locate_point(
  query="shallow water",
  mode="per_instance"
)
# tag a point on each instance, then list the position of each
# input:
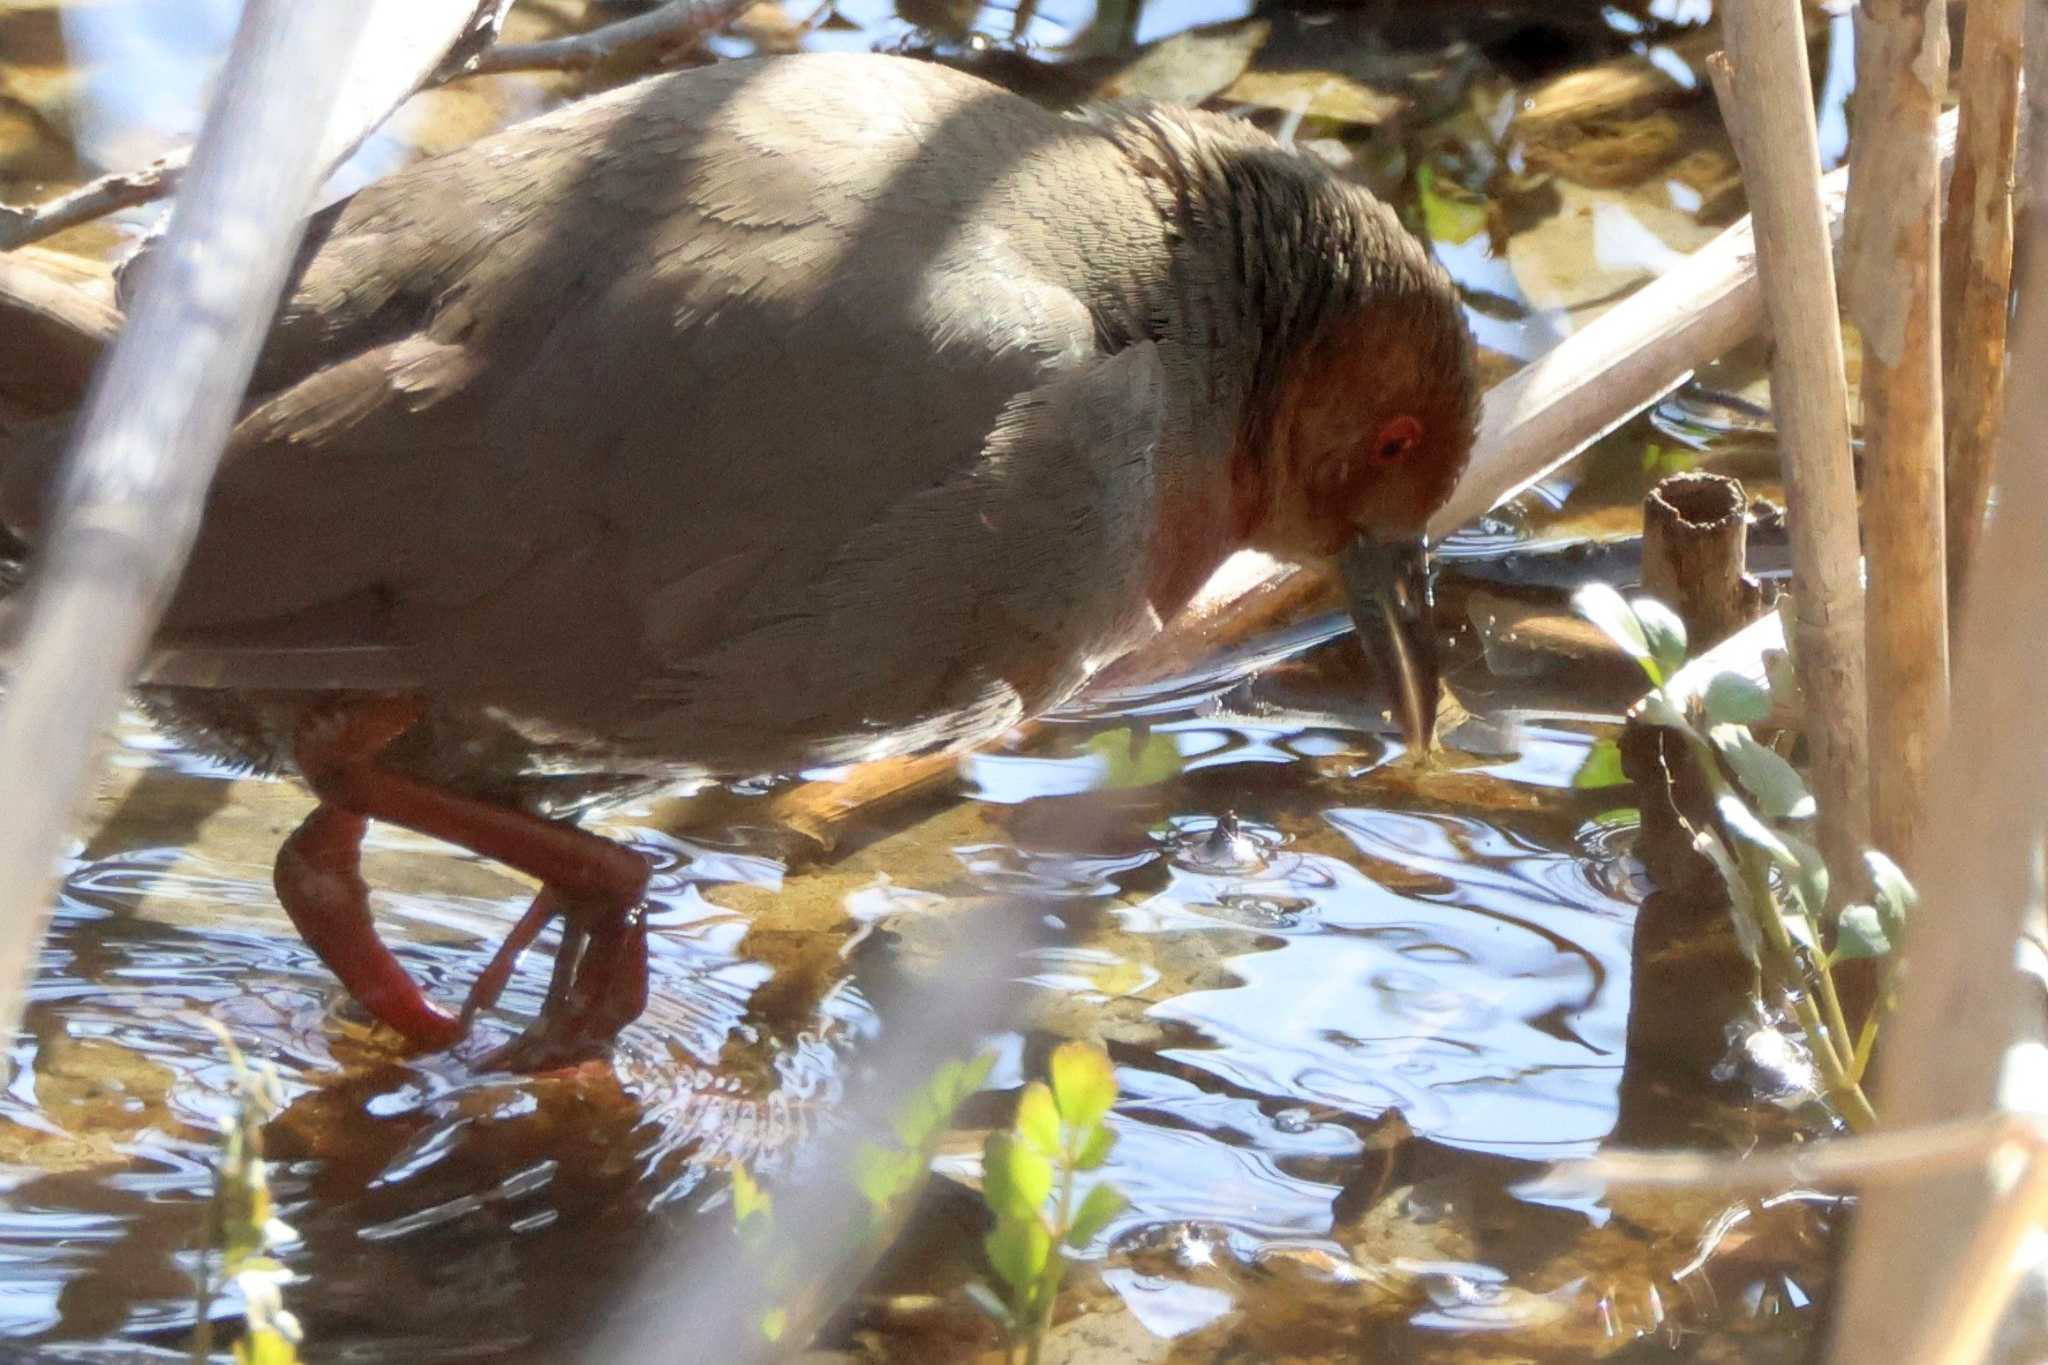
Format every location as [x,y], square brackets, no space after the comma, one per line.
[1348,1027]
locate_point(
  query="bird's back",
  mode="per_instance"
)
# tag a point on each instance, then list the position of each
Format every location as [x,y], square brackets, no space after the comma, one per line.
[634,422]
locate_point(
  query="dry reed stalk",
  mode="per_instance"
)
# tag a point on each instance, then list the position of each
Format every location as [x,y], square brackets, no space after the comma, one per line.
[1893,296]
[1696,555]
[1963,1003]
[1976,271]
[1770,119]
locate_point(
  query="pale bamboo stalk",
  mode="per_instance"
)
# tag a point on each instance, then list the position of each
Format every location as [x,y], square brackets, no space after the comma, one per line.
[1976,271]
[1963,1003]
[146,446]
[1893,295]
[1771,122]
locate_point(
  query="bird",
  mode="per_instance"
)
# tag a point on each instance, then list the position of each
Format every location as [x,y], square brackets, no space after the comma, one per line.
[779,413]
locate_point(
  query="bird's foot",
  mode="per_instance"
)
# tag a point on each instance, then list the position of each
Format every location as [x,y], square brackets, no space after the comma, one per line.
[600,979]
[598,987]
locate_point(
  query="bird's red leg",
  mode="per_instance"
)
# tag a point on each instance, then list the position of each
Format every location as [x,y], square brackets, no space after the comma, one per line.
[600,983]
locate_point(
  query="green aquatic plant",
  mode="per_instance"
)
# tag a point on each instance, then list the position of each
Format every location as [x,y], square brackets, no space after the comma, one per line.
[242,1228]
[1030,1182]
[1777,882]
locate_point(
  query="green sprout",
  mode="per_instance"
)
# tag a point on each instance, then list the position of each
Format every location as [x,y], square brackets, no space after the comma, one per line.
[1776,880]
[242,1229]
[1029,1182]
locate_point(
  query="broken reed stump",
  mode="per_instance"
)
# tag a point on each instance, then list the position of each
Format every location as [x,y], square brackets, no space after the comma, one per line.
[1976,273]
[1769,115]
[1695,549]
[1893,295]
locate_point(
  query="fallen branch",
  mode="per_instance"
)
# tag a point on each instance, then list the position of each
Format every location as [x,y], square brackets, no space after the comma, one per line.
[94,199]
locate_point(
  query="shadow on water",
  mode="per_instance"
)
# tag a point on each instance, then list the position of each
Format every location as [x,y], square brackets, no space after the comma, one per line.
[1354,1005]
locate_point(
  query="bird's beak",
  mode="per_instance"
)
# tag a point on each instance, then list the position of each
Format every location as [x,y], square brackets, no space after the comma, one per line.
[1387,587]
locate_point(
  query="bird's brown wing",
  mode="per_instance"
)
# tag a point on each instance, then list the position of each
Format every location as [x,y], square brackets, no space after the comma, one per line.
[714,339]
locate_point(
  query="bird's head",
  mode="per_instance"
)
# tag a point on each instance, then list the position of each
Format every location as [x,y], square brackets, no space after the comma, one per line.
[1362,429]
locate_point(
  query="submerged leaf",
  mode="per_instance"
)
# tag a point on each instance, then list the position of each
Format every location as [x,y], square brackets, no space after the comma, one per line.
[1451,214]
[1132,758]
[1602,767]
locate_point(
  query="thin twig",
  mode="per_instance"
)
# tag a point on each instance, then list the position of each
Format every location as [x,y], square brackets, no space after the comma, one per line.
[1976,271]
[416,46]
[1769,115]
[677,26]
[94,199]
[1893,293]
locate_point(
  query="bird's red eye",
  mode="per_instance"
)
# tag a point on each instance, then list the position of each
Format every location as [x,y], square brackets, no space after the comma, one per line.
[1396,439]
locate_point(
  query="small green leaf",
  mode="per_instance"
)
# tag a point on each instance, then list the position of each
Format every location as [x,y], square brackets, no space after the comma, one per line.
[1896,897]
[774,1323]
[1018,1249]
[1734,700]
[1665,634]
[1710,847]
[1096,1149]
[1860,933]
[1775,784]
[1014,1179]
[1602,767]
[1083,1083]
[1606,608]
[989,1302]
[1742,822]
[1811,881]
[1103,1203]
[1038,1120]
